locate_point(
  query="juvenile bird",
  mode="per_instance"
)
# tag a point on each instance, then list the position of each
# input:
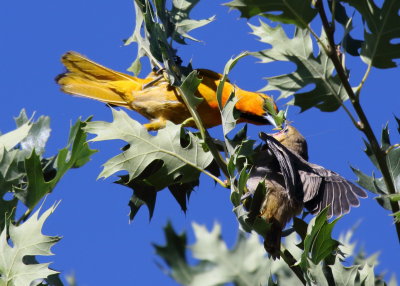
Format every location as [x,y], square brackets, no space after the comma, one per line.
[154,98]
[293,183]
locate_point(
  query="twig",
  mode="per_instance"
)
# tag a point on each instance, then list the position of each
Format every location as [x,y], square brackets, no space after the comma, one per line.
[291,262]
[363,124]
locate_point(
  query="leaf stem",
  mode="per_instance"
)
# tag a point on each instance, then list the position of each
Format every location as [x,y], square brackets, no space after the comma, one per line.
[24,216]
[291,262]
[206,137]
[359,87]
[363,125]
[391,148]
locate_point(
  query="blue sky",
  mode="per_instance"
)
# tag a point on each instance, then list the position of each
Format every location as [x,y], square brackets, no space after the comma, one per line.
[99,245]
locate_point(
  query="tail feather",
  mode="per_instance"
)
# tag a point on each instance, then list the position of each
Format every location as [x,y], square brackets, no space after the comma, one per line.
[91,80]
[80,86]
[78,64]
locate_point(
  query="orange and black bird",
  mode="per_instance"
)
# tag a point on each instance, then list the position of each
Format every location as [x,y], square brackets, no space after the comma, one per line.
[154,98]
[293,183]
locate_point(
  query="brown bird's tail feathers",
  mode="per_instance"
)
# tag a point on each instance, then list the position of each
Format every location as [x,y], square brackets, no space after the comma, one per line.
[272,241]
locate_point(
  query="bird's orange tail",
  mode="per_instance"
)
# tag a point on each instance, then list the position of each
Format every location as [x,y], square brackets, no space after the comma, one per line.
[88,79]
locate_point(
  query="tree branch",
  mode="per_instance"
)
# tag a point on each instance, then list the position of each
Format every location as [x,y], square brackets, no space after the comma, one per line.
[363,124]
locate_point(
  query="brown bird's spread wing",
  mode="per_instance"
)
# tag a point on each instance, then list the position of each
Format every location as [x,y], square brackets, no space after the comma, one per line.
[320,187]
[335,190]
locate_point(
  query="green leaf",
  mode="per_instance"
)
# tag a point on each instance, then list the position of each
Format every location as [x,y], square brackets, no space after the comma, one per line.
[156,27]
[393,159]
[318,243]
[24,174]
[16,264]
[377,185]
[12,138]
[315,274]
[174,254]
[295,12]
[371,183]
[394,197]
[229,114]
[189,88]
[39,181]
[143,194]
[11,175]
[229,266]
[215,264]
[38,134]
[382,28]
[385,140]
[180,163]
[348,43]
[172,158]
[367,275]
[327,93]
[183,24]
[344,276]
[398,124]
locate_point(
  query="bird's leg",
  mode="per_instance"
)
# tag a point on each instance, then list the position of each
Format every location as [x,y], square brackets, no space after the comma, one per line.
[153,81]
[157,71]
[155,124]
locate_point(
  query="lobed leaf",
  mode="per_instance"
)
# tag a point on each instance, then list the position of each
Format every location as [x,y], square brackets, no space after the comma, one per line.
[327,93]
[377,185]
[216,264]
[382,28]
[18,265]
[27,176]
[300,13]
[155,26]
[41,180]
[38,134]
[318,243]
[348,43]
[172,158]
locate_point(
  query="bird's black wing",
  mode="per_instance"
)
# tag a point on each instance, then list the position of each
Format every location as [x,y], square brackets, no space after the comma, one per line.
[283,156]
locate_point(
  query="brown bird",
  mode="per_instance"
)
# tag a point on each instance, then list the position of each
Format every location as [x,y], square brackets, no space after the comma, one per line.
[153,96]
[293,183]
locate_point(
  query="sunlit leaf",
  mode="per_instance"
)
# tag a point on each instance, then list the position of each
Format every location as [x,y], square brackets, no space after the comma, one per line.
[216,264]
[38,134]
[172,157]
[12,138]
[342,275]
[182,23]
[180,163]
[156,25]
[16,264]
[41,180]
[327,92]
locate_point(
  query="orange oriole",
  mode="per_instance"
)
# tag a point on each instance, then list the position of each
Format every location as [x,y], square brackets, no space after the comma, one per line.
[154,98]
